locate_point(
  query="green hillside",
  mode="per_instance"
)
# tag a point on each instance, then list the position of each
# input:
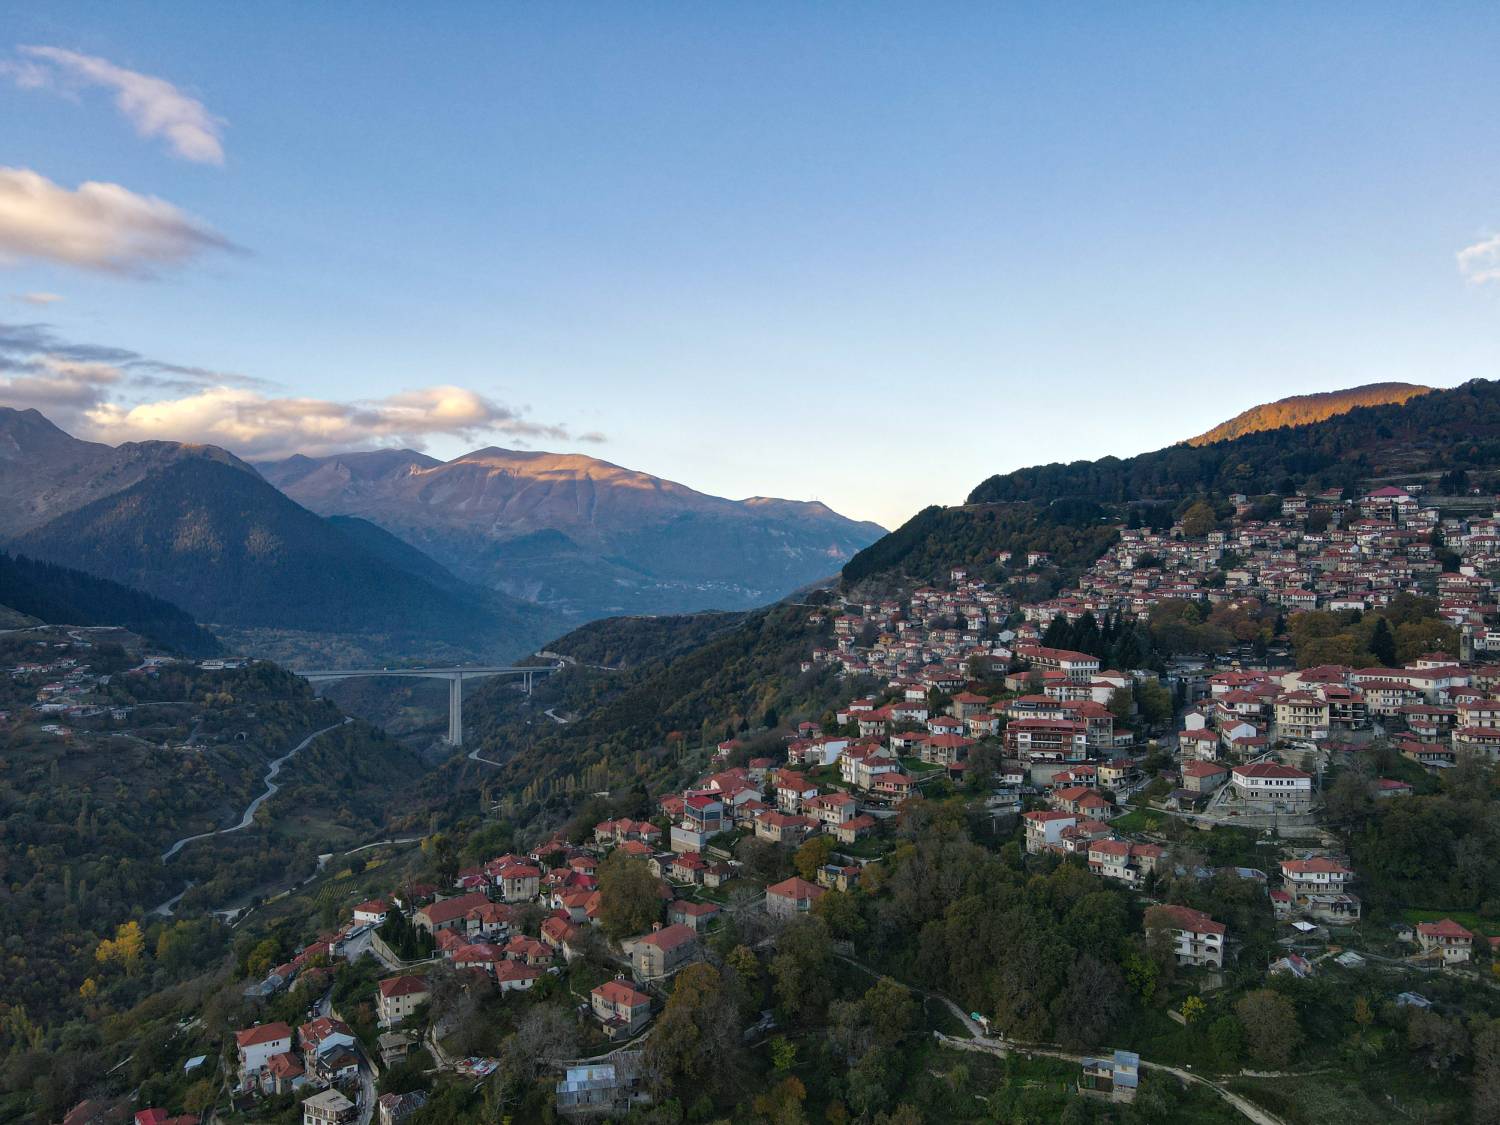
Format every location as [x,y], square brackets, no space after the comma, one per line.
[62,596]
[1432,434]
[651,720]
[937,539]
[229,548]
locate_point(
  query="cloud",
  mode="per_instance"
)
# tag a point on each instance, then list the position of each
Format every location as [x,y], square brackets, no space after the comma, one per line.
[1480,263]
[67,380]
[102,227]
[153,105]
[36,298]
[57,387]
[260,426]
[116,394]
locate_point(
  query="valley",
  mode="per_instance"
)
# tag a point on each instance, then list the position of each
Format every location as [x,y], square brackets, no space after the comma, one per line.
[749,564]
[1154,789]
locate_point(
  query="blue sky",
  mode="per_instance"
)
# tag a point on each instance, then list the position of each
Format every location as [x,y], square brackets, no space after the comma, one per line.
[868,254]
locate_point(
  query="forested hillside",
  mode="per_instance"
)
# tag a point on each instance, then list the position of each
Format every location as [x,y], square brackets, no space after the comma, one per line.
[648,720]
[937,539]
[176,750]
[1445,431]
[61,596]
[229,548]
[1300,410]
[623,642]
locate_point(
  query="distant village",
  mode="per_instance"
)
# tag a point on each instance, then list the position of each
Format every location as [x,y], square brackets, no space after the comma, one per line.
[71,698]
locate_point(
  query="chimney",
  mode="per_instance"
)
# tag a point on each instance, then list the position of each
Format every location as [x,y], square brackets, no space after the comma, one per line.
[655,926]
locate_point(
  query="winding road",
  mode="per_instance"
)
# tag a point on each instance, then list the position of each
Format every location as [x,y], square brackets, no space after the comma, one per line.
[253,806]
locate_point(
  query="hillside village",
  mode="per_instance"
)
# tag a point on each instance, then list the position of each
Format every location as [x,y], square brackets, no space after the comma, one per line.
[60,693]
[959,691]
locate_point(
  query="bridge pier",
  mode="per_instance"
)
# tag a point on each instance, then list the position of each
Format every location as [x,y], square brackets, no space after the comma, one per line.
[456,710]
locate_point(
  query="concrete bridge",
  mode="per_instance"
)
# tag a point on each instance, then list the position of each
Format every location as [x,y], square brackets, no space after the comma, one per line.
[454,676]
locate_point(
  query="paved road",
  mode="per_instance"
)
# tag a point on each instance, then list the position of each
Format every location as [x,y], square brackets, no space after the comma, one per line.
[474,757]
[382,843]
[250,809]
[166,908]
[366,1091]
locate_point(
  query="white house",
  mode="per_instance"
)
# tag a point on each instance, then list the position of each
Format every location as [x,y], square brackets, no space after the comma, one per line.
[257,1044]
[1272,783]
[1197,938]
[370,913]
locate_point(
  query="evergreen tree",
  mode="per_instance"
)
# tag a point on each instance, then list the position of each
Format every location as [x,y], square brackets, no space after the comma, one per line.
[1383,643]
[1059,633]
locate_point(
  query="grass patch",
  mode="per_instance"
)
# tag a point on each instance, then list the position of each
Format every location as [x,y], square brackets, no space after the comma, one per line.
[871,847]
[1137,820]
[1316,1099]
[722,894]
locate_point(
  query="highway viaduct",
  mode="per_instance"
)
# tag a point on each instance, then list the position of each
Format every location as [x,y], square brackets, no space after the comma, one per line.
[454,676]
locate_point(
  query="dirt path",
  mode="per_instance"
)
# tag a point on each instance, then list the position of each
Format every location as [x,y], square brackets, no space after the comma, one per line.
[979,1041]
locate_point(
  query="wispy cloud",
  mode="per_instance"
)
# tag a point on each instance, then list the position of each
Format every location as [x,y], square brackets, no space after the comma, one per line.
[98,226]
[1480,263]
[36,298]
[68,380]
[257,425]
[115,394]
[154,106]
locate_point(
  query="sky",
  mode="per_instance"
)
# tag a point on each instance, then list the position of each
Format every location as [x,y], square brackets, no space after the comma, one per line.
[863,253]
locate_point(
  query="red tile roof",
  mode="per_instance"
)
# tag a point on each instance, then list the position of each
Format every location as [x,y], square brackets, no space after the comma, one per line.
[618,993]
[1185,918]
[402,986]
[1447,928]
[797,889]
[264,1033]
[668,938]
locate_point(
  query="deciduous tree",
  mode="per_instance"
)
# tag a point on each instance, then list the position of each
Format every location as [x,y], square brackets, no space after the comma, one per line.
[1272,1032]
[801,968]
[629,895]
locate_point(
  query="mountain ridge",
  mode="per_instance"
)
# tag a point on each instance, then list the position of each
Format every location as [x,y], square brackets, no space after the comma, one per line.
[1446,429]
[580,534]
[60,595]
[49,471]
[1301,410]
[198,527]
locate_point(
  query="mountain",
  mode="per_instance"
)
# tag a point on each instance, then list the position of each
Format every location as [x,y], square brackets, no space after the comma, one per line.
[1441,432]
[62,596]
[202,529]
[577,533]
[1299,410]
[48,471]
